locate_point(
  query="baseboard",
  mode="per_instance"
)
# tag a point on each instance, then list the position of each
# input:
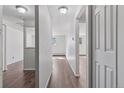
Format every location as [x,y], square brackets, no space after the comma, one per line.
[5,69]
[82,55]
[75,74]
[48,81]
[29,69]
[14,62]
[58,54]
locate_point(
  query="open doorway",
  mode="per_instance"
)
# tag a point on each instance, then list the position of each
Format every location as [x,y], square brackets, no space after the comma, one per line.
[19,46]
[70,48]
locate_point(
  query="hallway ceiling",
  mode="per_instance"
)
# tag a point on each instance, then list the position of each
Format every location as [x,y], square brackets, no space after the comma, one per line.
[11,11]
[60,22]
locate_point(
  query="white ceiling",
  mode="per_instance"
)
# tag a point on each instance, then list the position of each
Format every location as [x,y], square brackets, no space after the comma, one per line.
[61,23]
[11,12]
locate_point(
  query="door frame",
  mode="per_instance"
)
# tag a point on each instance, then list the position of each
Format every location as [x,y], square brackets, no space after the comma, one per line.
[37,46]
[93,49]
[4,47]
[89,40]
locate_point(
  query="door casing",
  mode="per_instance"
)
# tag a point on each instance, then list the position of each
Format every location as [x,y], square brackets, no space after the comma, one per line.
[4,47]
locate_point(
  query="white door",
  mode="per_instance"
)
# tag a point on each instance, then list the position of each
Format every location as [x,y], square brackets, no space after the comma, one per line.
[1,56]
[104,35]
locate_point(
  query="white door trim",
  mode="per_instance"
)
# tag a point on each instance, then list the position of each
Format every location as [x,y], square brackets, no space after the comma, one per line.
[4,47]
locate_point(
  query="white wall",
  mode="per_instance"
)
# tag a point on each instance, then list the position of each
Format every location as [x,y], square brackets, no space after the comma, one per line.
[1,61]
[72,39]
[45,47]
[71,46]
[14,45]
[14,41]
[58,47]
[29,23]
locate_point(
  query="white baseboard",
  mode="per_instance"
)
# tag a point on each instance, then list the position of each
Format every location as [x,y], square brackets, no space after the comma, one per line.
[29,69]
[57,54]
[5,69]
[48,80]
[14,62]
[75,74]
[82,55]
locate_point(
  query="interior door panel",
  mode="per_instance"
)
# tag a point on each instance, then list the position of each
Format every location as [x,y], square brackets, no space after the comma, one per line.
[105,46]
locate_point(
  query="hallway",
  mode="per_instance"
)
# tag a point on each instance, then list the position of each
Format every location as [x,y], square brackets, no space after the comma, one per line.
[62,75]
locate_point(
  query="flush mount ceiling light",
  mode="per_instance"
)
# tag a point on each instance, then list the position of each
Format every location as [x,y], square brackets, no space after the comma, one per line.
[21,9]
[63,9]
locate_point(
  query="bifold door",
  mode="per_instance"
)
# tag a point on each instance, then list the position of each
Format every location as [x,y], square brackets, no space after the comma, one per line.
[104,36]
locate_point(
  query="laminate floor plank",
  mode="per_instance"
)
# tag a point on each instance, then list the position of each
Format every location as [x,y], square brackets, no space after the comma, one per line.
[63,76]
[15,77]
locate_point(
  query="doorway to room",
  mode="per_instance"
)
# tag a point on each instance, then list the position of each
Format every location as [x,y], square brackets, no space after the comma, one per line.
[18,46]
[70,47]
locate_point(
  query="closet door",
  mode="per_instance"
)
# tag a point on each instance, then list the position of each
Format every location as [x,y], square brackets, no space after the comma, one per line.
[104,35]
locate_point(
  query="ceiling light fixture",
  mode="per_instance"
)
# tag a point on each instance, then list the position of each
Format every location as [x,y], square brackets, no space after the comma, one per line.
[21,9]
[63,9]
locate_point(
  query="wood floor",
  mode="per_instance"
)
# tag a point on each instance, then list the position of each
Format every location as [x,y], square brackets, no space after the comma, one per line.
[15,77]
[62,75]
